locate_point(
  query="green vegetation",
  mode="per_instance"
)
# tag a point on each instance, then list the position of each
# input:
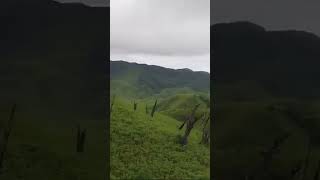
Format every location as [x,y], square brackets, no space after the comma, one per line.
[148,148]
[180,105]
[145,138]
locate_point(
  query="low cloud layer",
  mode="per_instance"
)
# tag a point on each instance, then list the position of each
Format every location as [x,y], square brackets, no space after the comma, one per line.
[163,27]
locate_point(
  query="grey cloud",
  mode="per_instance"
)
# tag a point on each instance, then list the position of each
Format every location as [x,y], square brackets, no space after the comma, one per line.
[161,27]
[169,33]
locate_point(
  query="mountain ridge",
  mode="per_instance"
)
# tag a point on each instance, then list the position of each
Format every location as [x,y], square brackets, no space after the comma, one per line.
[158,66]
[150,79]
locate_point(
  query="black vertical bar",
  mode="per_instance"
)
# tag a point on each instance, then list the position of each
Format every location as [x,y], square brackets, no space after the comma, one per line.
[108,100]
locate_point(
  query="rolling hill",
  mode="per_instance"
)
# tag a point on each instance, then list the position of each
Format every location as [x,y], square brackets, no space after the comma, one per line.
[145,147]
[179,105]
[145,80]
[177,90]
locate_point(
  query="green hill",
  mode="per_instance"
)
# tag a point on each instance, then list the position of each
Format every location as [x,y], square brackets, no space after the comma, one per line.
[147,148]
[179,105]
[143,147]
[177,91]
[140,80]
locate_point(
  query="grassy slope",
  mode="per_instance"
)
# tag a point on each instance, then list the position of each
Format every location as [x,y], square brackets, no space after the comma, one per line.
[144,148]
[174,102]
[180,105]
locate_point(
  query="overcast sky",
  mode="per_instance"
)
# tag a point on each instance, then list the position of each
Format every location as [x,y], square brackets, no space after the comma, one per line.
[272,14]
[169,33]
[154,31]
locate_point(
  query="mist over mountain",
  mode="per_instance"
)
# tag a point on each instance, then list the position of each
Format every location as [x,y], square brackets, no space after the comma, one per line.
[282,63]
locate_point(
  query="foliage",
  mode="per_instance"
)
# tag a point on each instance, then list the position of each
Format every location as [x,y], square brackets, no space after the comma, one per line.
[145,149]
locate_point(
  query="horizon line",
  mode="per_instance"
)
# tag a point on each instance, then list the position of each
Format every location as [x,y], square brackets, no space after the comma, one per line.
[161,66]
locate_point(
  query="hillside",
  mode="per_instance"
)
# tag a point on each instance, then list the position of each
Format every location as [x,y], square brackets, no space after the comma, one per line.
[147,148]
[179,105]
[177,91]
[140,80]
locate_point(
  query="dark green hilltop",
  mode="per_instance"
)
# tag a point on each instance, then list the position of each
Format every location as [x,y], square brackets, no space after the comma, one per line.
[177,90]
[146,80]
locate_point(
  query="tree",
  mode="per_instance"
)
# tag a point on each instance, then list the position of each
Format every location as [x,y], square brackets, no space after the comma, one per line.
[190,121]
[154,108]
[205,130]
[135,105]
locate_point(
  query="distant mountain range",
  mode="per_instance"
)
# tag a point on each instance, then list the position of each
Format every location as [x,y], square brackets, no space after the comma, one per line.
[280,63]
[141,80]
